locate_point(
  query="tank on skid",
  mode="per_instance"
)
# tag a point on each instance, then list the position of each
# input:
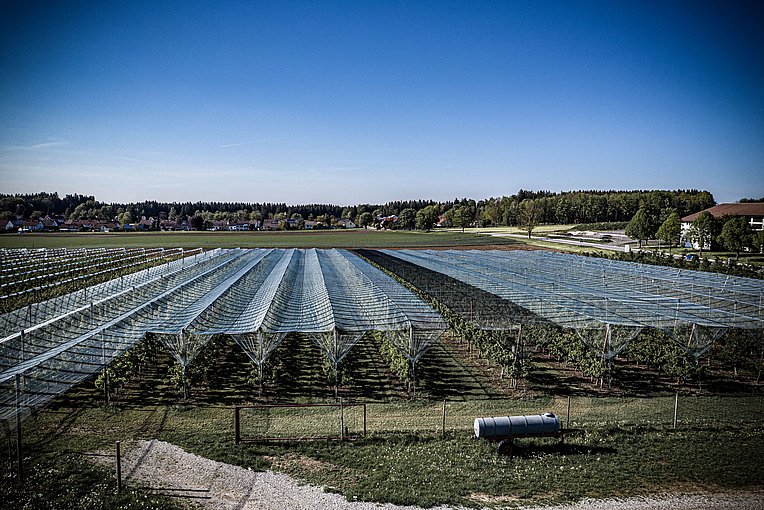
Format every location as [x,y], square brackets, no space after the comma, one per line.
[510,427]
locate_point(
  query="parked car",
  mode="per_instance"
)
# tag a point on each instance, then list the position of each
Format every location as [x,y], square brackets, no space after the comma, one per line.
[691,257]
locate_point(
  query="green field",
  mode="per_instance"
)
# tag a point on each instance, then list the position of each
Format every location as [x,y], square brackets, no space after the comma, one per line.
[300,239]
[624,446]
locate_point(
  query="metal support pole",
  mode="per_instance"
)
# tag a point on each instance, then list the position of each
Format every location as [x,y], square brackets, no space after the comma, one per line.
[364,419]
[676,408]
[19,455]
[567,416]
[10,452]
[119,468]
[106,385]
[237,424]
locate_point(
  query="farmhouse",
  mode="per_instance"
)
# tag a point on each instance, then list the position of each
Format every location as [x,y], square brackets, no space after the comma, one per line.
[753,212]
[345,223]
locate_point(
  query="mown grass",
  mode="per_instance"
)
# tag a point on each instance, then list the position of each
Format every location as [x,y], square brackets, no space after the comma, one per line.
[354,238]
[625,447]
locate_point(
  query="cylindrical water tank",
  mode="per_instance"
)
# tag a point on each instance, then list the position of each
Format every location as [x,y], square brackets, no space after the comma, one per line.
[503,427]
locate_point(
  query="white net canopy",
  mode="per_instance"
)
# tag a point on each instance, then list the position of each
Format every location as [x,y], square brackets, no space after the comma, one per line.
[607,301]
[256,296]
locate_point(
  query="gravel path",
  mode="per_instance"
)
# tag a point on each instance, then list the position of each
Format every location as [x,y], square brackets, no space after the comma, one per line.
[218,486]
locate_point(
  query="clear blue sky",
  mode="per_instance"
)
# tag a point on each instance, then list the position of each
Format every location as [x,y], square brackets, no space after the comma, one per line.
[349,102]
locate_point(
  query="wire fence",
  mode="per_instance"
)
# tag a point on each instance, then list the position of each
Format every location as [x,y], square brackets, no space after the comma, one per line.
[457,417]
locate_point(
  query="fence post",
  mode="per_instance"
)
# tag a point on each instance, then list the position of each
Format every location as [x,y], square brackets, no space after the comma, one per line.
[236,424]
[342,421]
[19,455]
[443,425]
[119,468]
[364,419]
[676,408]
[567,416]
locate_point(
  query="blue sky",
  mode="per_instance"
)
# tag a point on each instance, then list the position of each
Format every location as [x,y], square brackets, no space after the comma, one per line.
[350,102]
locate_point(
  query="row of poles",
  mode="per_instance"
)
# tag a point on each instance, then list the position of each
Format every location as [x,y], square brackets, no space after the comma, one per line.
[343,430]
[237,432]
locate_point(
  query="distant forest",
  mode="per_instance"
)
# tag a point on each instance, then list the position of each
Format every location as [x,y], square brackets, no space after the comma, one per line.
[573,207]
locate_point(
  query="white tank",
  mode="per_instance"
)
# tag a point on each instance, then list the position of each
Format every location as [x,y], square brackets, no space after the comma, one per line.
[504,427]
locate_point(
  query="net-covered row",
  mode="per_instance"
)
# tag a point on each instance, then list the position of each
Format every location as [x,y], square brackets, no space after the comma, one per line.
[38,313]
[257,296]
[49,358]
[42,273]
[608,302]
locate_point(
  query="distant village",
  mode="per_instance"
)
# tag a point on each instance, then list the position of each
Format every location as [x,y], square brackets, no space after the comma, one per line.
[52,223]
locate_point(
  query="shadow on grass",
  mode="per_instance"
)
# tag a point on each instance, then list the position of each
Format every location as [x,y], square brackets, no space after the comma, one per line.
[530,450]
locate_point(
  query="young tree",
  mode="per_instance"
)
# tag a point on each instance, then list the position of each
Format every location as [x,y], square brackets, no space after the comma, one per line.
[670,230]
[702,230]
[736,235]
[530,215]
[642,226]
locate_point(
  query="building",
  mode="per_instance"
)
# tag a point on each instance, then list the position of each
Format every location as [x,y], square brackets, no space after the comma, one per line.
[345,223]
[753,212]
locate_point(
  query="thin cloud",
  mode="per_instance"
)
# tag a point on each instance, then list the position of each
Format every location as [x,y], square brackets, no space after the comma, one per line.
[43,145]
[46,144]
[266,140]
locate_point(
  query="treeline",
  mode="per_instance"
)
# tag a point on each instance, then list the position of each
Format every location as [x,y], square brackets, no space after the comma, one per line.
[573,207]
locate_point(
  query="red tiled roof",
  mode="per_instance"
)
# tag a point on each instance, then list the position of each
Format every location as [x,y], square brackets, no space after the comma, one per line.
[746,209]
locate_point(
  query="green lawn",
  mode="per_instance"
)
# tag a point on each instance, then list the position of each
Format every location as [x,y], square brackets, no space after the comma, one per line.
[302,239]
[626,447]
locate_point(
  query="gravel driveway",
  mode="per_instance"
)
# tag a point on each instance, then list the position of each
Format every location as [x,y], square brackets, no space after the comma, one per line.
[215,485]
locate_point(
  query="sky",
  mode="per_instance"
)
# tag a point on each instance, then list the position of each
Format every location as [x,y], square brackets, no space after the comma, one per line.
[373,101]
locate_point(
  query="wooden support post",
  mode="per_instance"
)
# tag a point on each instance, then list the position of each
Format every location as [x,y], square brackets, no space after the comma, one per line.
[567,416]
[676,408]
[443,423]
[342,421]
[119,468]
[237,424]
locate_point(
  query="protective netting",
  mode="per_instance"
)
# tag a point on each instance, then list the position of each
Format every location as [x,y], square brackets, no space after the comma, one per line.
[607,301]
[608,339]
[257,296]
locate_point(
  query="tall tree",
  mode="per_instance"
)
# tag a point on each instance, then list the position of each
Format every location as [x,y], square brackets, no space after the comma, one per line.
[426,218]
[642,226]
[670,230]
[736,235]
[702,231]
[530,215]
[365,219]
[757,241]
[407,219]
[462,216]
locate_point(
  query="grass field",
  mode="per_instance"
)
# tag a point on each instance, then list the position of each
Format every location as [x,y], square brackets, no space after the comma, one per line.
[625,445]
[356,238]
